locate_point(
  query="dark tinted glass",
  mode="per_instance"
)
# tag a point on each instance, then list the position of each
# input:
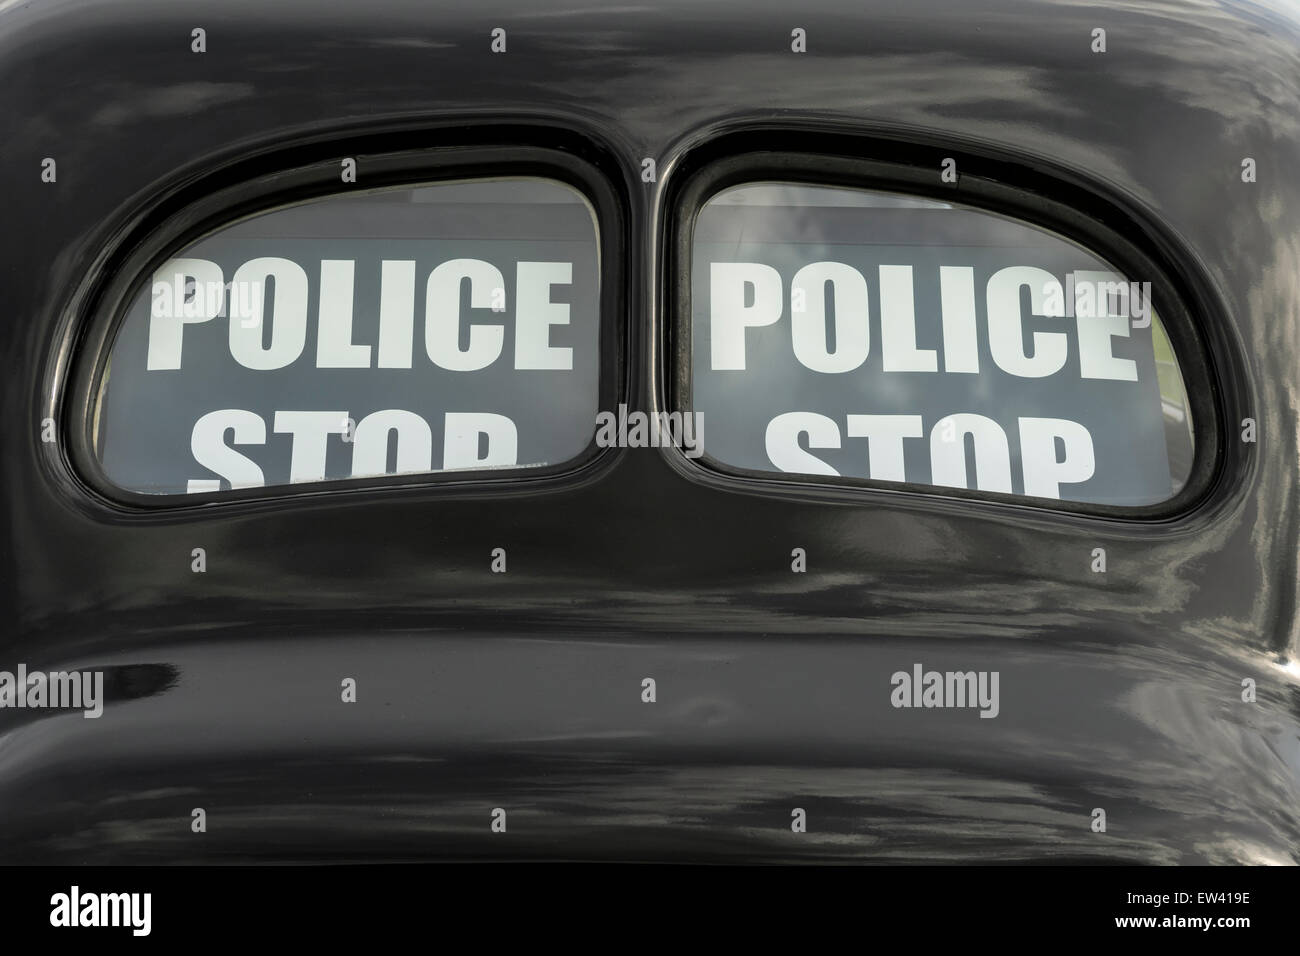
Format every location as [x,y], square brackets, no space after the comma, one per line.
[844,332]
[449,327]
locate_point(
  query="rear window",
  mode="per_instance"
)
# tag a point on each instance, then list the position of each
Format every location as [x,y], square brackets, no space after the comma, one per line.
[857,334]
[443,328]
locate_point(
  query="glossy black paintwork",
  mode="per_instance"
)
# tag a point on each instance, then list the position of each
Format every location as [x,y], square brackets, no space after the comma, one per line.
[522,690]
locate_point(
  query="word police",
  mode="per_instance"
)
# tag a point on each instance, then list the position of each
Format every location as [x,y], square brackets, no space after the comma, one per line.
[191,291]
[748,295]
[829,328]
[175,305]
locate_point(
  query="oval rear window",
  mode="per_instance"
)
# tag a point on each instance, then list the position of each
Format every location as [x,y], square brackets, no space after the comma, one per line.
[849,333]
[443,328]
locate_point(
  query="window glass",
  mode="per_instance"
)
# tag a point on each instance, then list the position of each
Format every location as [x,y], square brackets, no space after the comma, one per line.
[860,334]
[450,327]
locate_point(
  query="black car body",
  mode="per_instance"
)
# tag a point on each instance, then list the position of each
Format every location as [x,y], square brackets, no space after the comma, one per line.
[523,692]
